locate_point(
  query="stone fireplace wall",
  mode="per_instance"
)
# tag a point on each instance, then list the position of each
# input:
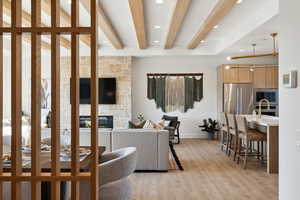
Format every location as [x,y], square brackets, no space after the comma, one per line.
[117,67]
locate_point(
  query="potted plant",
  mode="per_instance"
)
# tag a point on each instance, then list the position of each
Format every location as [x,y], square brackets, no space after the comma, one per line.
[210,126]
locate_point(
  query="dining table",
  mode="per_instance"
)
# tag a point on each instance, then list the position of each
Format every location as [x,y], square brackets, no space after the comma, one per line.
[268,125]
[65,165]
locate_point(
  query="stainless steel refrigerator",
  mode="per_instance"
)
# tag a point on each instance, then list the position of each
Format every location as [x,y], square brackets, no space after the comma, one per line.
[238,98]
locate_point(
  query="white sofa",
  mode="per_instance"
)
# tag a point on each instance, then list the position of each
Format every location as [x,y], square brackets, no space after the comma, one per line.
[152,147]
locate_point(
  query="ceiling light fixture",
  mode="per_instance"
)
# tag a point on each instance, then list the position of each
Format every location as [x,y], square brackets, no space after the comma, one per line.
[274,53]
[216,26]
[157,27]
[202,41]
[156,41]
[239,1]
[159,1]
[228,58]
[242,50]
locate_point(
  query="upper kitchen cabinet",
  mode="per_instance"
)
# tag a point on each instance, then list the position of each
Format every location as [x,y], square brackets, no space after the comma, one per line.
[259,77]
[272,77]
[230,75]
[245,75]
[265,77]
[262,76]
[236,74]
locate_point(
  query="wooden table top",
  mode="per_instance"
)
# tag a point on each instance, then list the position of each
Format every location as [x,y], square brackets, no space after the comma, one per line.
[65,160]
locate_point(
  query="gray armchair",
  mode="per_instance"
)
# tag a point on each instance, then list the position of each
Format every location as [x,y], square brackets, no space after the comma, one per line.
[114,170]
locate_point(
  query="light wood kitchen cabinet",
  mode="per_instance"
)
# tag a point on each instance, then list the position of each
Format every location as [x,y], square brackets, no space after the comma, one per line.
[245,75]
[272,77]
[259,77]
[230,75]
[265,77]
[237,75]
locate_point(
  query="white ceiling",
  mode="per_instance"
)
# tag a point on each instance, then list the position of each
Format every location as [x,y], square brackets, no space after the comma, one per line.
[248,22]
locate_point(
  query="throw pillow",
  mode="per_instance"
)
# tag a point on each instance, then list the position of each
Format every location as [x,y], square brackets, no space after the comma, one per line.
[148,125]
[133,125]
[160,124]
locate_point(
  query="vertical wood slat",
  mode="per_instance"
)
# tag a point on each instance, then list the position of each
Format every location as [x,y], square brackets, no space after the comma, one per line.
[1,98]
[55,100]
[94,101]
[35,99]
[16,97]
[75,99]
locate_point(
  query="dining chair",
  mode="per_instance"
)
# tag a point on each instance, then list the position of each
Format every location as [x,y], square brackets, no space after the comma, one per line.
[114,169]
[172,127]
[249,136]
[224,131]
[232,136]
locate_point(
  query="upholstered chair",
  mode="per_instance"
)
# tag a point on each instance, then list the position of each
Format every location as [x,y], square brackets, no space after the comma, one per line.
[114,170]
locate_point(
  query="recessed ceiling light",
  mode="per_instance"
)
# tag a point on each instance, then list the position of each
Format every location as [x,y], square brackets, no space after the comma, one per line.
[202,41]
[216,26]
[242,50]
[228,58]
[157,27]
[159,1]
[156,41]
[239,1]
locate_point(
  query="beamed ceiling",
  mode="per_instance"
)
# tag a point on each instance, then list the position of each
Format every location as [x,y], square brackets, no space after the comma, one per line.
[166,27]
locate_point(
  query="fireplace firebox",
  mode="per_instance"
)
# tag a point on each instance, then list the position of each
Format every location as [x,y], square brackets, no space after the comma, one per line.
[104,121]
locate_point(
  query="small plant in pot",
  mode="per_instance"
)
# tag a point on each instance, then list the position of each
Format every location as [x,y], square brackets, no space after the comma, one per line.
[210,126]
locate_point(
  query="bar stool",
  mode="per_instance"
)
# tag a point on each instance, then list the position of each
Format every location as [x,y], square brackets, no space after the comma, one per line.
[232,136]
[248,136]
[224,131]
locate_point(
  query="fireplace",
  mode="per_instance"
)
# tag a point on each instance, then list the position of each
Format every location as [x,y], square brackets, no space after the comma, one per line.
[104,121]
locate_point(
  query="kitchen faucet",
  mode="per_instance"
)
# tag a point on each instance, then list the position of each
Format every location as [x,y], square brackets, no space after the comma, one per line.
[260,103]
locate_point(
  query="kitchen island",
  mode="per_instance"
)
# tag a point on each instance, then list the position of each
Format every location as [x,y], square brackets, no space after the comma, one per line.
[270,126]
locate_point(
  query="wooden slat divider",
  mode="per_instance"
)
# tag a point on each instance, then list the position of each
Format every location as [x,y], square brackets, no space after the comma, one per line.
[94,101]
[55,101]
[75,99]
[35,177]
[1,98]
[16,98]
[35,99]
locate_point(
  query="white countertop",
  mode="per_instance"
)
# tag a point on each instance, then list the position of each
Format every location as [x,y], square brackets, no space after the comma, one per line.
[265,120]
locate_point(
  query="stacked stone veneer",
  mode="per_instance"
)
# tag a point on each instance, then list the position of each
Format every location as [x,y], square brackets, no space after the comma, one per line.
[117,67]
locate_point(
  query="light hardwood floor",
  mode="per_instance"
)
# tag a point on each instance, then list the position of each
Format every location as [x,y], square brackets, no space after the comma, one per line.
[208,175]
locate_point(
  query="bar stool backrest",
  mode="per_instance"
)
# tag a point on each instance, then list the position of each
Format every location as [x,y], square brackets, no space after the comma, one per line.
[224,122]
[232,123]
[242,124]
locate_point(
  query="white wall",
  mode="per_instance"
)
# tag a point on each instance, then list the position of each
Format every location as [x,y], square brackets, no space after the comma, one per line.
[289,157]
[185,64]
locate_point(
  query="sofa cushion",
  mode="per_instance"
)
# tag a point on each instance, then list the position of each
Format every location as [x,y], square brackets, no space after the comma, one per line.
[134,125]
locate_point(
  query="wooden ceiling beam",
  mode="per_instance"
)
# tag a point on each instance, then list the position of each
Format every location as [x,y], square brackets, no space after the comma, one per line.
[105,25]
[178,16]
[26,20]
[221,9]
[137,12]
